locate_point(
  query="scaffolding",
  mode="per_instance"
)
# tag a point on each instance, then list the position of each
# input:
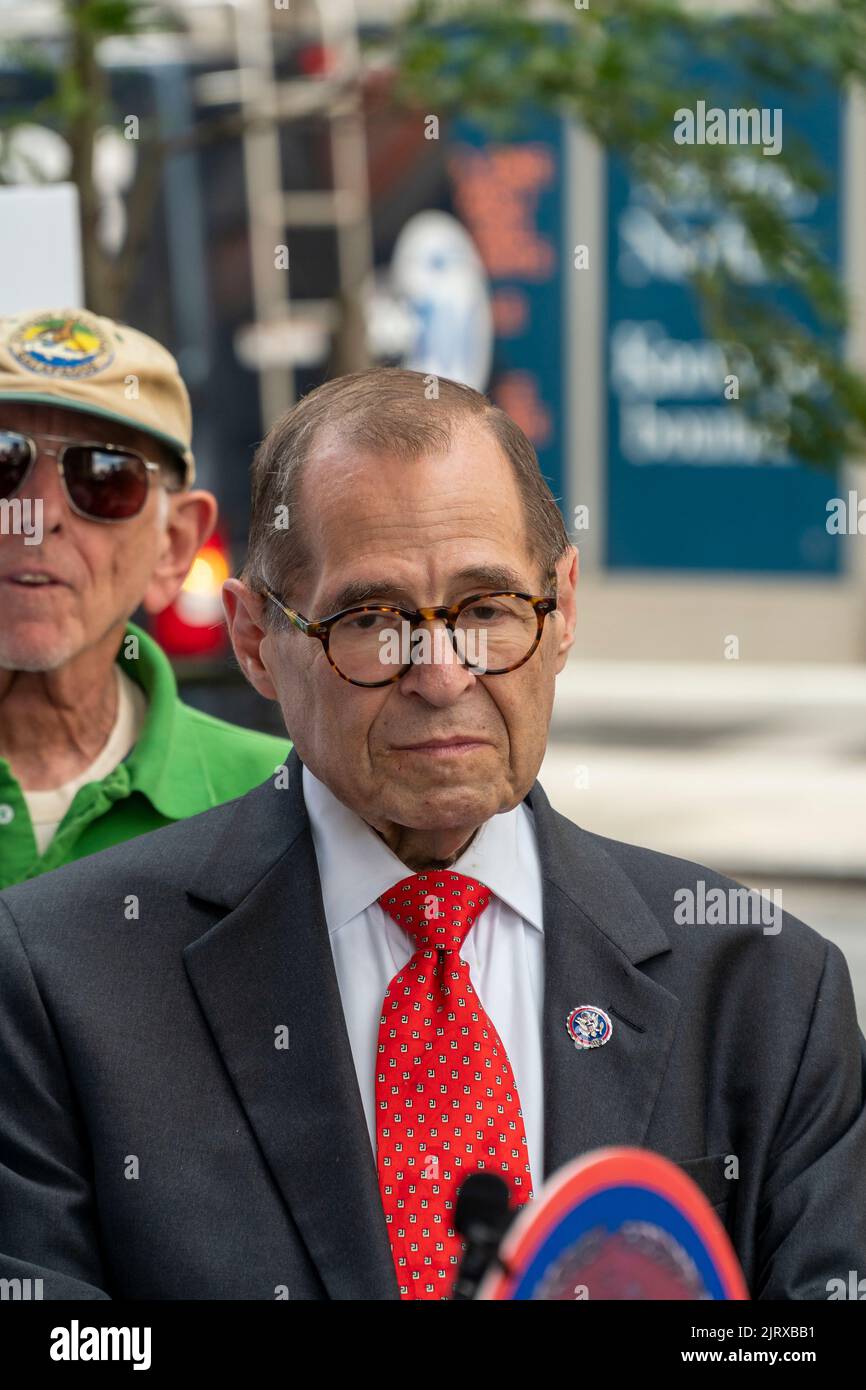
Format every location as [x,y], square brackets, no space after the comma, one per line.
[241,41]
[275,340]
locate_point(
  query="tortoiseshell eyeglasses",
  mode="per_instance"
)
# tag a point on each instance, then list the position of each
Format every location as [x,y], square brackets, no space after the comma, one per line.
[490,633]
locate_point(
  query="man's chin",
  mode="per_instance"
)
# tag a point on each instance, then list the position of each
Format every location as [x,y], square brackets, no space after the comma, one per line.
[443,808]
[35,649]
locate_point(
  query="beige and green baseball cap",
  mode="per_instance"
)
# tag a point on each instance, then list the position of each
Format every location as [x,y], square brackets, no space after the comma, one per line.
[80,360]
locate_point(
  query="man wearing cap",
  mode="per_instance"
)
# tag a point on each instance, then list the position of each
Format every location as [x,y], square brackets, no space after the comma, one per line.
[98,517]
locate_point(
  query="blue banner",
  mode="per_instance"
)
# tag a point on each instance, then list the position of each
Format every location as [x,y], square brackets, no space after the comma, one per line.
[691,482]
[508,192]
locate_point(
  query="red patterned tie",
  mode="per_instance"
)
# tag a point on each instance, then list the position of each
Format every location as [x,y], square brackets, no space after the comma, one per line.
[446,1100]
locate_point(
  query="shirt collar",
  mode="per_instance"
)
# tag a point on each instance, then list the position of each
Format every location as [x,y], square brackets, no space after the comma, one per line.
[166,764]
[356,866]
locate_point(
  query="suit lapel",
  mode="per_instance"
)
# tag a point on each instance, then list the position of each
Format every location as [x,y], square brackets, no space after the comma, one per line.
[267,966]
[597,929]
[265,974]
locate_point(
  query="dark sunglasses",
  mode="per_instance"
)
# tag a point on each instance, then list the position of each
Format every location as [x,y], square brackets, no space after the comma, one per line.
[102,482]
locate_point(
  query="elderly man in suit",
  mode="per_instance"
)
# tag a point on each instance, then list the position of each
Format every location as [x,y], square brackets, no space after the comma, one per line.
[255,1054]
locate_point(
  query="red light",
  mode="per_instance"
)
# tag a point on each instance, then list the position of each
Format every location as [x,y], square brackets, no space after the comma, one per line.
[193,624]
[315,60]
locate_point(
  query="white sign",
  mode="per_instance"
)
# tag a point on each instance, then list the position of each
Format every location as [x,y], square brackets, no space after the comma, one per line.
[40,247]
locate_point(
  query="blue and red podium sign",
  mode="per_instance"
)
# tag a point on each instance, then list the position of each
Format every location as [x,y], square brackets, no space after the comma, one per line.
[621,1224]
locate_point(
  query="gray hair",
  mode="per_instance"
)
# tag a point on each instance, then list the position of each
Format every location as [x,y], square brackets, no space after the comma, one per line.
[382,410]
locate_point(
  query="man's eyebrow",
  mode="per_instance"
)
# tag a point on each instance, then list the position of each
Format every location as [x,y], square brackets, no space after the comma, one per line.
[490,577]
[359,591]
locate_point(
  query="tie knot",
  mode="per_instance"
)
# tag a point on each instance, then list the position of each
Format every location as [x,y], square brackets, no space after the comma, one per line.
[436,908]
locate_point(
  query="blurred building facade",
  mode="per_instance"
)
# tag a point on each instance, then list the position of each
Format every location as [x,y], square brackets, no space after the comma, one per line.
[694,544]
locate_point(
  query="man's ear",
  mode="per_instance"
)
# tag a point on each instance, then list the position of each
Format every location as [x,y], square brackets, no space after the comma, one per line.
[244,610]
[191,519]
[567,571]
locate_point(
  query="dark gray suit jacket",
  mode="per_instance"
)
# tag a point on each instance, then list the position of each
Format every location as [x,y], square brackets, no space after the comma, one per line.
[156,1143]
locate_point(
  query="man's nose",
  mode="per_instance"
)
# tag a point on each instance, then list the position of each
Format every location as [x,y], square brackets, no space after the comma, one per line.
[45,483]
[439,681]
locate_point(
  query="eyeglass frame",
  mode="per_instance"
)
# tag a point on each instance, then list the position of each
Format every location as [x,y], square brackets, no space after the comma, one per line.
[542,603]
[67,442]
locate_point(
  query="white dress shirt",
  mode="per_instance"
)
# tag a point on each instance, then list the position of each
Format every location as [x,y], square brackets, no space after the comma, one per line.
[504,949]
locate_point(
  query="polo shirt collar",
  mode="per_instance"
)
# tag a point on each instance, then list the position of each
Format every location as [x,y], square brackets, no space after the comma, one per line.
[166,764]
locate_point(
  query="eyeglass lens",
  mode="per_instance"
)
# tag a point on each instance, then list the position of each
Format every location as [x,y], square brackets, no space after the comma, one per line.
[492,634]
[107,484]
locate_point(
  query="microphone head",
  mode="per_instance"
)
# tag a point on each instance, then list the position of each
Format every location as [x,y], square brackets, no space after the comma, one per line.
[482,1206]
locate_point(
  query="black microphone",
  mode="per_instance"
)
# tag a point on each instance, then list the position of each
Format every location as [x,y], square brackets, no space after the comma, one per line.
[481,1216]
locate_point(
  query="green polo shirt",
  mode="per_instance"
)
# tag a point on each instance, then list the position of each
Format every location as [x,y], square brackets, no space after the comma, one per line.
[184,762]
